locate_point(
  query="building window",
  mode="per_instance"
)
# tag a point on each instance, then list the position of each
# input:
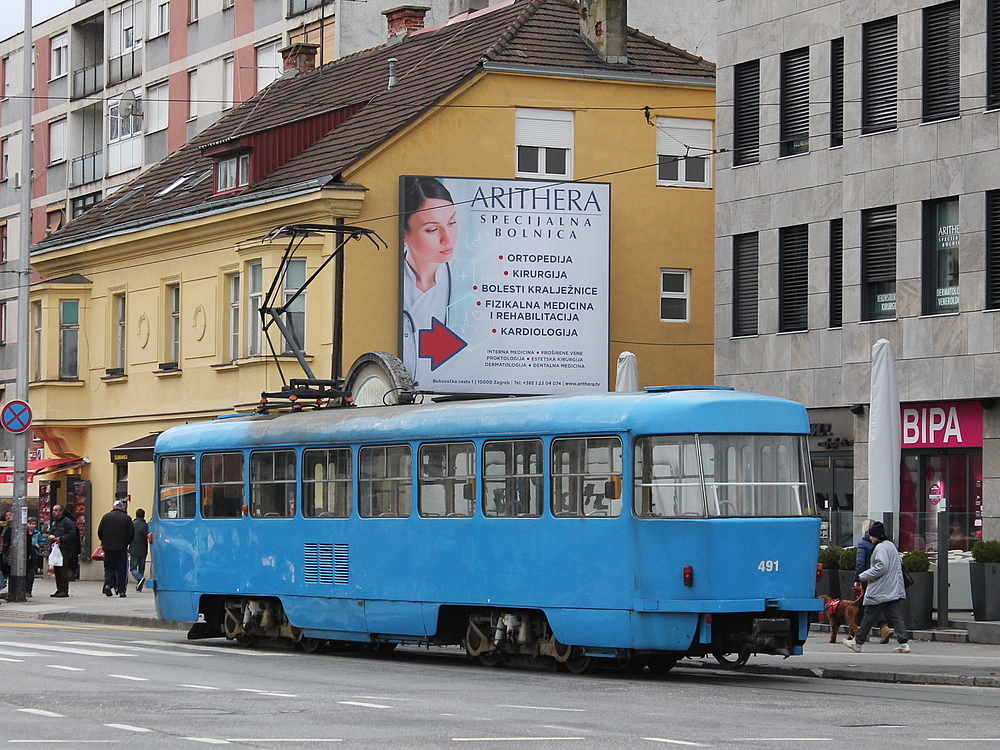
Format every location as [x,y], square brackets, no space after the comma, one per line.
[836,93]
[836,273]
[193,11]
[232,172]
[544,143]
[268,63]
[36,341]
[793,278]
[159,17]
[745,254]
[675,295]
[878,75]
[992,54]
[878,263]
[124,40]
[794,108]
[57,141]
[124,135]
[59,55]
[5,77]
[4,157]
[683,152]
[157,109]
[172,330]
[941,61]
[192,80]
[447,480]
[255,300]
[301,6]
[746,113]
[512,478]
[3,243]
[233,283]
[385,481]
[3,323]
[79,205]
[119,331]
[228,81]
[941,251]
[69,339]
[295,315]
[993,250]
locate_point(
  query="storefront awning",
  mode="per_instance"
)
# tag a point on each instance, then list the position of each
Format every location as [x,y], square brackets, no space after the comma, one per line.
[136,450]
[42,466]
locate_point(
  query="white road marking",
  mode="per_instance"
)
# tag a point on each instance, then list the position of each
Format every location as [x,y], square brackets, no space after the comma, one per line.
[282,739]
[41,712]
[63,667]
[208,740]
[60,649]
[513,739]
[266,692]
[129,677]
[13,660]
[963,739]
[220,649]
[539,708]
[20,652]
[63,742]
[675,742]
[782,739]
[145,650]
[128,727]
[363,705]
[198,687]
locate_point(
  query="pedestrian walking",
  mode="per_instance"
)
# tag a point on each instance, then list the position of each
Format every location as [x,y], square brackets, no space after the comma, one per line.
[5,547]
[65,537]
[116,532]
[863,561]
[885,592]
[35,542]
[139,548]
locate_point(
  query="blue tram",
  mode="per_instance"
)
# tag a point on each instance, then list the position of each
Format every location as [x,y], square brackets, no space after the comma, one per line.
[641,527]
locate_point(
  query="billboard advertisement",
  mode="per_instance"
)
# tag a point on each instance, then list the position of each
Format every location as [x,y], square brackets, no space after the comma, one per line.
[505,285]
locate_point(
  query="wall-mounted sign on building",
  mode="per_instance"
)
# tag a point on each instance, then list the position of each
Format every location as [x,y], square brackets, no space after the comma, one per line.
[942,424]
[505,285]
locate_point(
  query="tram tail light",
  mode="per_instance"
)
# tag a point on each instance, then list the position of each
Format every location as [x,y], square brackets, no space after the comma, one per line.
[688,575]
[819,572]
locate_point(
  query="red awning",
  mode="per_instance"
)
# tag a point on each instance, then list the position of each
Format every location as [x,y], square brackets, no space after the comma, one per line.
[41,466]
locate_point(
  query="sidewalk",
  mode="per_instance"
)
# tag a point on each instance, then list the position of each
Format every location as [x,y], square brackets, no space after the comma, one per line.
[940,657]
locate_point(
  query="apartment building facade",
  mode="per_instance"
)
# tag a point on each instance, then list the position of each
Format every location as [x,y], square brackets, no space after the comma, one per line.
[858,199]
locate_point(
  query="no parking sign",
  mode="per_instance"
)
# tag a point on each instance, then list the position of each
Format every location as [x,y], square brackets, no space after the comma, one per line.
[16,416]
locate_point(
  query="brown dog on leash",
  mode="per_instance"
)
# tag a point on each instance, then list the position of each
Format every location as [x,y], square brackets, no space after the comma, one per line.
[843,613]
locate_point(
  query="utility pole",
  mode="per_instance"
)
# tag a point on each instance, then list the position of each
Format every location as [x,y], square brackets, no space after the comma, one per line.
[16,590]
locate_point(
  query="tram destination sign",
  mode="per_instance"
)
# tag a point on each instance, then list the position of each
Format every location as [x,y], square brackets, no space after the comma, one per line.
[505,285]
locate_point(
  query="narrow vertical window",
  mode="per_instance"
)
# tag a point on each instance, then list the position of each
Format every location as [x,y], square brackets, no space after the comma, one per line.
[878,75]
[295,315]
[118,308]
[794,107]
[745,284]
[746,113]
[36,340]
[992,54]
[878,263]
[234,316]
[228,81]
[255,298]
[993,250]
[793,278]
[173,328]
[941,62]
[941,251]
[4,249]
[69,339]
[836,93]
[836,273]
[192,94]
[3,323]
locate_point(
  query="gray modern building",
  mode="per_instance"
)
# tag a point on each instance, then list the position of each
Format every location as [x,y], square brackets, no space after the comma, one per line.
[858,196]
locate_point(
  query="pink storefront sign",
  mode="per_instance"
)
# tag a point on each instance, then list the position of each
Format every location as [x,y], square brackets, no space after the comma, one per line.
[942,424]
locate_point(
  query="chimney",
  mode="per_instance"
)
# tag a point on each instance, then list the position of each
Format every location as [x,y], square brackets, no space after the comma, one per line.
[403,19]
[604,24]
[298,58]
[458,7]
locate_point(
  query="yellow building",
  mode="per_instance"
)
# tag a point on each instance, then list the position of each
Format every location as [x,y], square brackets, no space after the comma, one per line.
[146,317]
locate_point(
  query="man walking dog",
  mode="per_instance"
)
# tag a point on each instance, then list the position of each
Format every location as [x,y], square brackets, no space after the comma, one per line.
[885,592]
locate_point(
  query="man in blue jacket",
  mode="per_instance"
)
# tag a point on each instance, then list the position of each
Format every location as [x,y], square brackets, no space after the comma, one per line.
[885,592]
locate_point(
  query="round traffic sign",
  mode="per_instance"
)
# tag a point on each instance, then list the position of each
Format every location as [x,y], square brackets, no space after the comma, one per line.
[16,416]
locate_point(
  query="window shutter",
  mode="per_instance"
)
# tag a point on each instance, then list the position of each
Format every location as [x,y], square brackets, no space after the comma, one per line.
[746,118]
[745,285]
[878,76]
[836,273]
[795,102]
[941,61]
[993,54]
[793,278]
[675,139]
[544,128]
[837,92]
[993,250]
[878,257]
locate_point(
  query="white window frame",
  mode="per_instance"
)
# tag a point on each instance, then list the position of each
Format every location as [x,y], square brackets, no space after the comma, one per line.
[255,300]
[228,81]
[159,18]
[545,130]
[125,29]
[291,283]
[124,138]
[683,139]
[233,282]
[57,140]
[172,330]
[119,308]
[59,55]
[36,340]
[232,172]
[685,295]
[192,87]
[156,113]
[268,63]
[3,323]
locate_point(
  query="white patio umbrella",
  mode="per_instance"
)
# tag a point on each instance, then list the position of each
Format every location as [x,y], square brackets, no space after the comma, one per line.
[883,434]
[627,378]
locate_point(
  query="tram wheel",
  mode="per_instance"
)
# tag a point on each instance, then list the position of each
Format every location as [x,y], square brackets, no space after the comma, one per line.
[311,645]
[661,663]
[246,641]
[731,660]
[580,664]
[490,658]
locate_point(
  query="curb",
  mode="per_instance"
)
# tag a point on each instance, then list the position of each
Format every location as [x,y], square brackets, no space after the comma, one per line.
[114,620]
[864,675]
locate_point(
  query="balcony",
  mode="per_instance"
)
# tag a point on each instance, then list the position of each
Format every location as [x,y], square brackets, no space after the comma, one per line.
[88,80]
[124,67]
[86,168]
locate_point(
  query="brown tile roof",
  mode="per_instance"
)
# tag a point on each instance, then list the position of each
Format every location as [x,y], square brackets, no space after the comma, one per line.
[430,64]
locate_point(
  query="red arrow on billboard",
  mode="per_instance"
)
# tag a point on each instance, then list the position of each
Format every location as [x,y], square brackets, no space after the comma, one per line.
[439,343]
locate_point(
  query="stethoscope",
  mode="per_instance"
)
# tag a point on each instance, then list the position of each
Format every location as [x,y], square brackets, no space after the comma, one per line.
[411,326]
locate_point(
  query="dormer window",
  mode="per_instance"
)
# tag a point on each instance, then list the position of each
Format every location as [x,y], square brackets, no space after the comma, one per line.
[232,172]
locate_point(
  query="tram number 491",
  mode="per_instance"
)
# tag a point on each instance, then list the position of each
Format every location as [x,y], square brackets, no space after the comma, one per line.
[768,566]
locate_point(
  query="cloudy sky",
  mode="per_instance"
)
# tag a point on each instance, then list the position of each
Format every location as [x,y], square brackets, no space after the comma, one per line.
[12,14]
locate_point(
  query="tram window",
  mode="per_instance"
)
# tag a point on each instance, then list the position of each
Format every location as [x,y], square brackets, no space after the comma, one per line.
[447,483]
[668,480]
[756,475]
[587,477]
[272,484]
[385,481]
[177,487]
[326,483]
[222,492]
[512,471]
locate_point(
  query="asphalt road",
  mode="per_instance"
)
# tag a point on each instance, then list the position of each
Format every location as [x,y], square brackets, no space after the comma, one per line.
[81,686]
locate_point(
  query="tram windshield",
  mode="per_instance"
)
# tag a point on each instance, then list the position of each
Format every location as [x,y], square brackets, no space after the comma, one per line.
[695,476]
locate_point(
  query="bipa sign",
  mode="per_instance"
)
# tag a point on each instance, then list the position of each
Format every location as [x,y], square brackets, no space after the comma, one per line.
[946,424]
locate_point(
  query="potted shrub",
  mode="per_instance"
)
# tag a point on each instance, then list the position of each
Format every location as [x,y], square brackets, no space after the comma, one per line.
[918,607]
[829,582]
[984,576]
[848,559]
